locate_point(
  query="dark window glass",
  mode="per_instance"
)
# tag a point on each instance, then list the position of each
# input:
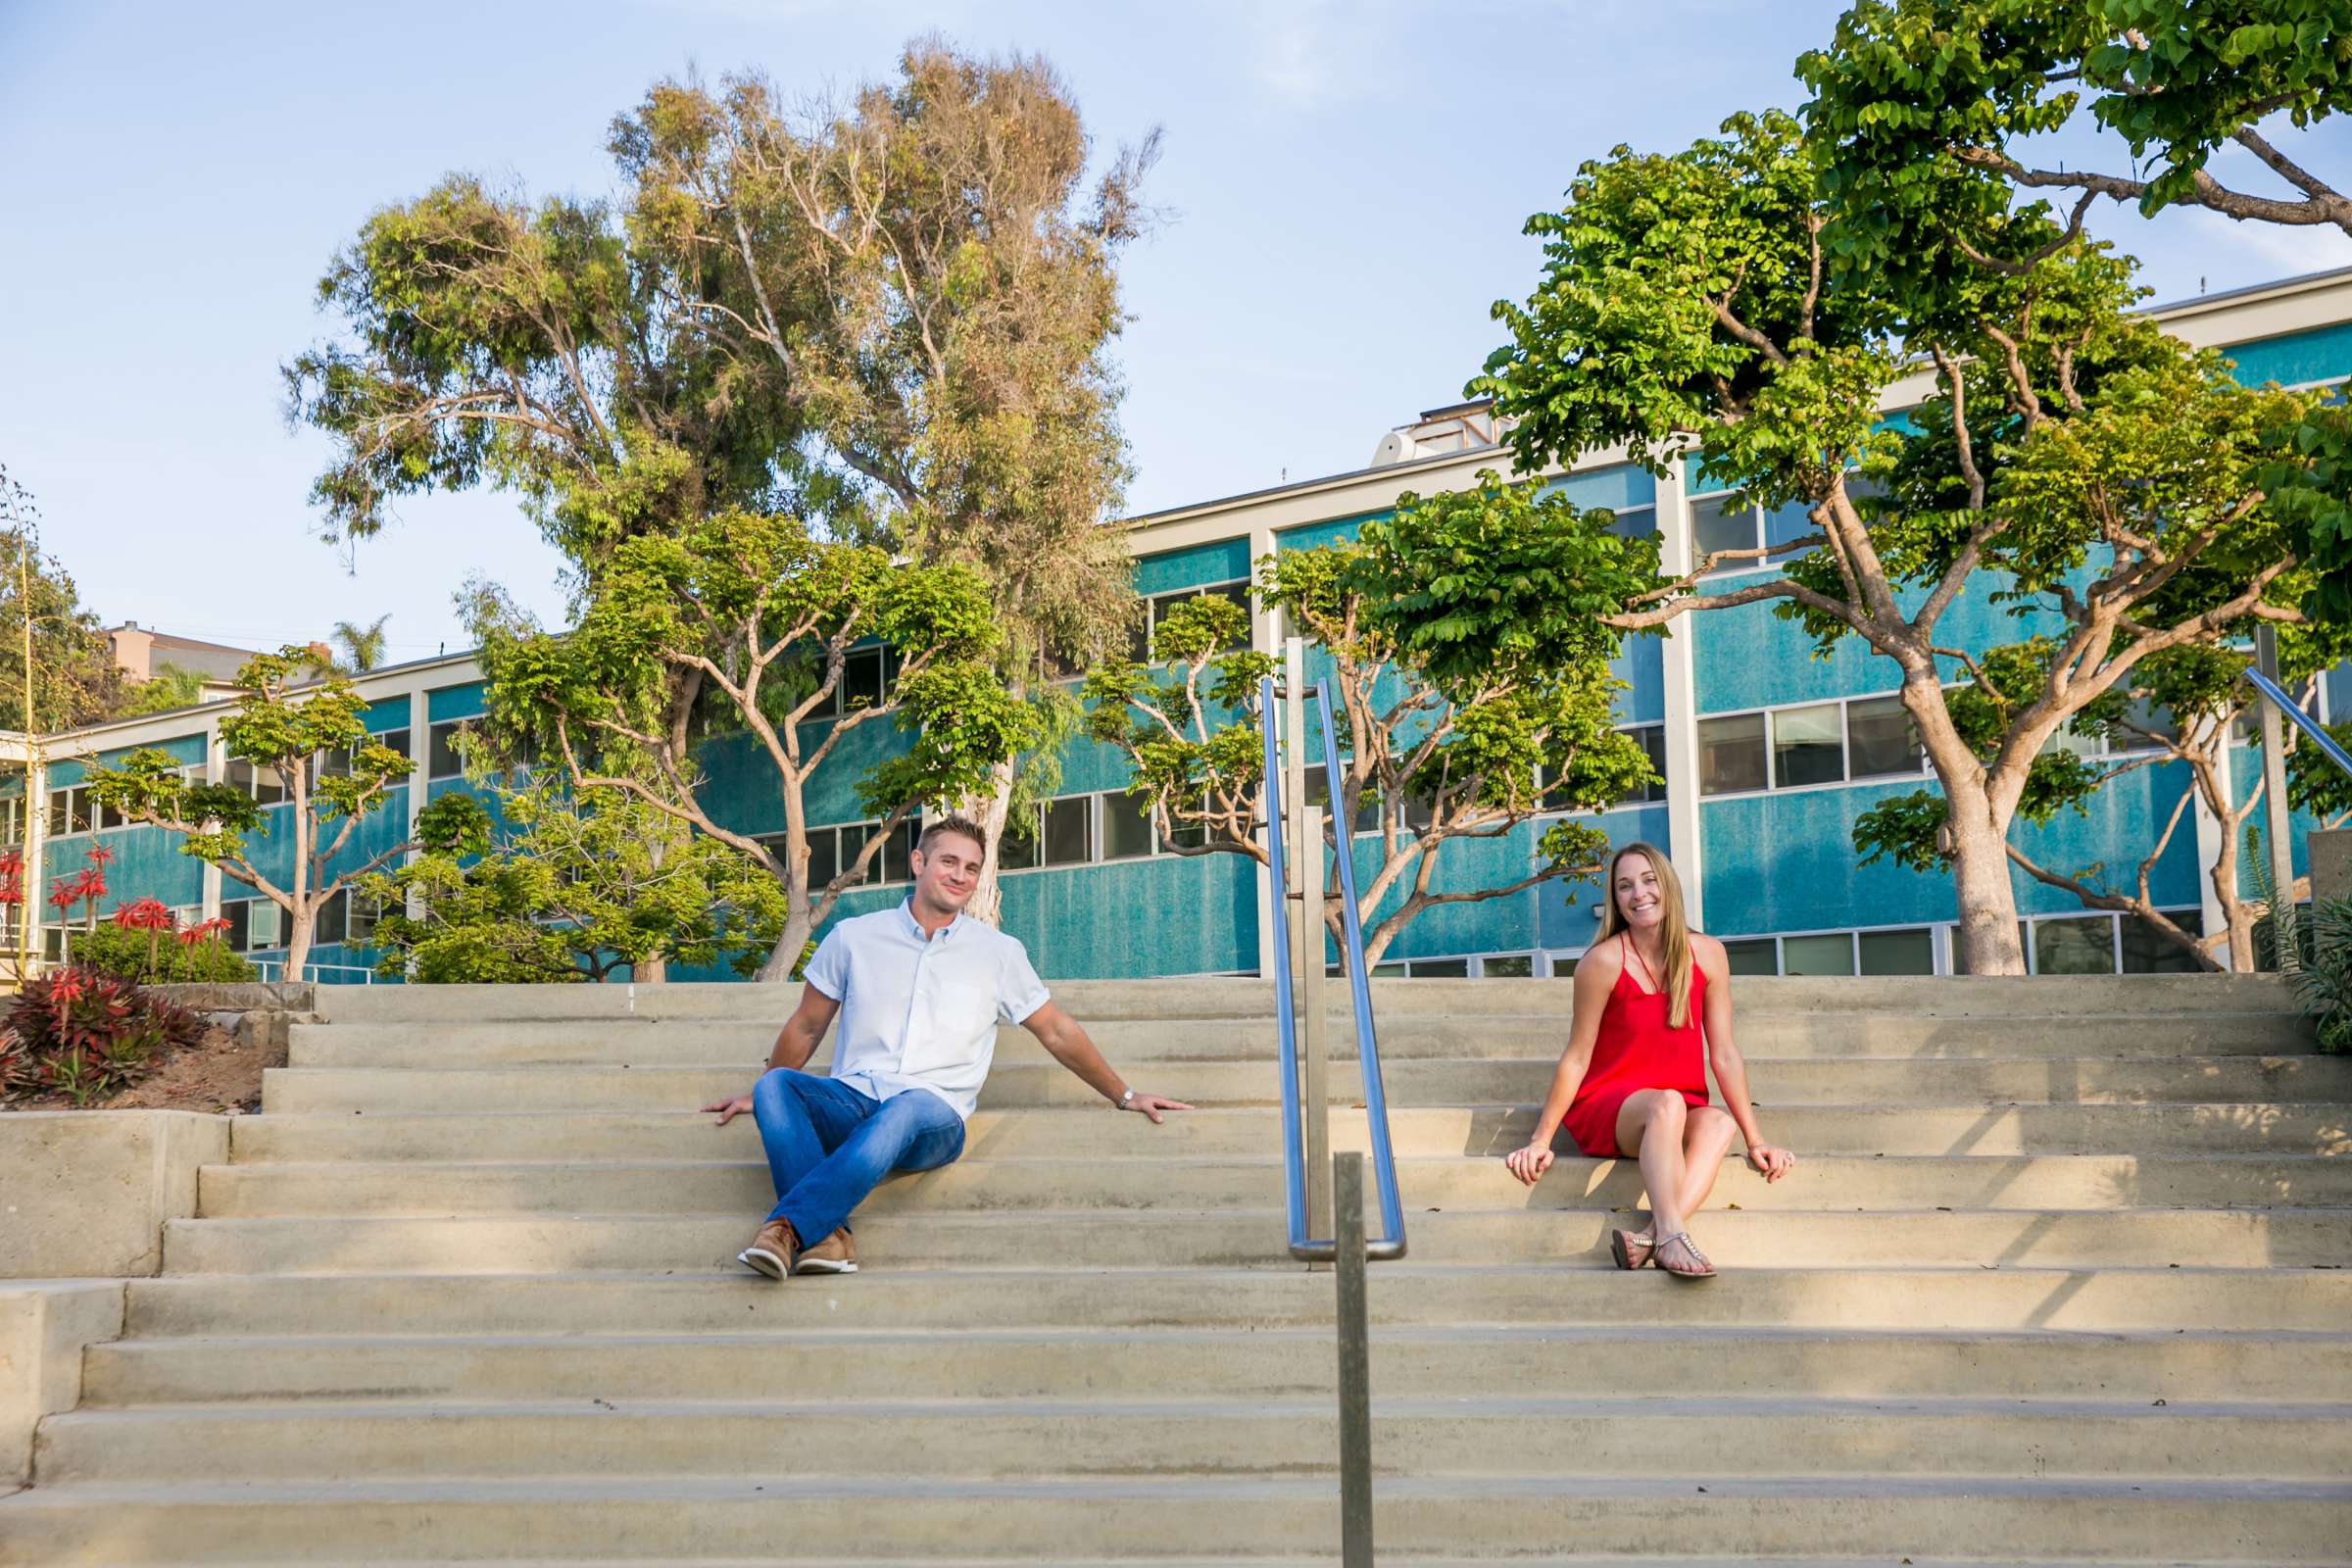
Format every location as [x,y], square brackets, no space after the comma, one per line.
[1882,738]
[330,922]
[1187,835]
[1438,969]
[1723,522]
[1069,831]
[1139,635]
[1831,953]
[898,851]
[1126,831]
[1635,522]
[2147,950]
[363,915]
[1654,742]
[1752,956]
[104,817]
[2074,946]
[269,786]
[2143,714]
[444,760]
[1016,849]
[1806,747]
[1911,952]
[1785,523]
[861,678]
[1516,966]
[61,813]
[239,914]
[397,739]
[1731,754]
[824,856]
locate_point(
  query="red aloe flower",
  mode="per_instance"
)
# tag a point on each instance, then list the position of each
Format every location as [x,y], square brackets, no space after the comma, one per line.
[99,856]
[65,895]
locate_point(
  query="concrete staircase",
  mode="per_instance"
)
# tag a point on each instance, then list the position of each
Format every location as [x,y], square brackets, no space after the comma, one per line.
[2061,1279]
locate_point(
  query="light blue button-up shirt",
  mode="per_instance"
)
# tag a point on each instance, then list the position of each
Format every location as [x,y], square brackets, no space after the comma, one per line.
[921,1014]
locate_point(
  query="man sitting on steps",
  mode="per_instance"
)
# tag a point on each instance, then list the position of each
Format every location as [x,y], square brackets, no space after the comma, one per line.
[919,990]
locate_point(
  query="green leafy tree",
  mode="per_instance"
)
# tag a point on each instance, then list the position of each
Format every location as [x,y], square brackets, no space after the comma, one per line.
[1473,690]
[74,680]
[312,744]
[167,687]
[1929,116]
[926,277]
[2095,478]
[560,887]
[744,626]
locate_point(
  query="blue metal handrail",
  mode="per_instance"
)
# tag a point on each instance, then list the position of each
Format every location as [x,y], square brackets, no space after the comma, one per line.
[1391,1244]
[1359,986]
[2303,721]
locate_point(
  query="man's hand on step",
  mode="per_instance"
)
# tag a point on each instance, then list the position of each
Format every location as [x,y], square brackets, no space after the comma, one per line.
[729,1109]
[1152,1105]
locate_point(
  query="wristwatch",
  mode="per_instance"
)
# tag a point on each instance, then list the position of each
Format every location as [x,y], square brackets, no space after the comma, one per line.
[1125,1102]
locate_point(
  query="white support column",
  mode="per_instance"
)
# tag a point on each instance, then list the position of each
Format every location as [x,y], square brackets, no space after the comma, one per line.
[421,751]
[213,774]
[1265,637]
[1681,706]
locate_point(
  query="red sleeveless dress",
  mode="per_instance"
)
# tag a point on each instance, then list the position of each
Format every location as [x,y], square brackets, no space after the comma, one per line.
[1636,1050]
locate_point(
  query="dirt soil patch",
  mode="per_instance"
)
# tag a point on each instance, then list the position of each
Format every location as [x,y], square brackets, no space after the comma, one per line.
[217,1074]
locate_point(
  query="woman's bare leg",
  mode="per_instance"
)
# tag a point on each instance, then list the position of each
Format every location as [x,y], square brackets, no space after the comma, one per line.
[1650,1124]
[1708,1133]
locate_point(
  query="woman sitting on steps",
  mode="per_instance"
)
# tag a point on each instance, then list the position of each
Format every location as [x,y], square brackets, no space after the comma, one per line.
[1632,1082]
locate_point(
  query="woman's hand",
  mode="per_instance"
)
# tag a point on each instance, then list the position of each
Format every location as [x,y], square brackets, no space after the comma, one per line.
[1770,1162]
[1529,1163]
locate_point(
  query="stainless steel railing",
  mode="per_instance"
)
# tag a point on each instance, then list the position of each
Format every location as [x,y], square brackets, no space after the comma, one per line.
[1279,821]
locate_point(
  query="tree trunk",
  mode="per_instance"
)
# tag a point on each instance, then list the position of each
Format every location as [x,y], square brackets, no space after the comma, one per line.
[785,956]
[653,971]
[300,920]
[992,811]
[1989,941]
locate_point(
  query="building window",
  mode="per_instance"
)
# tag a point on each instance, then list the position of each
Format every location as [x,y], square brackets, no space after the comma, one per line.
[834,847]
[1808,746]
[252,924]
[1731,754]
[1881,738]
[867,674]
[1898,950]
[349,917]
[2144,950]
[69,812]
[2075,946]
[1911,950]
[1828,953]
[1635,522]
[1156,606]
[1506,966]
[1069,833]
[441,744]
[1126,830]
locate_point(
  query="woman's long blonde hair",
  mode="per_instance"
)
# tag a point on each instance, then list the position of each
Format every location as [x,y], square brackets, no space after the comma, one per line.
[1675,929]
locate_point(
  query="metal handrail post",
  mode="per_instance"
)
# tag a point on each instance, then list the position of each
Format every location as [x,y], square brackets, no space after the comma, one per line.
[1359,986]
[1315,1079]
[1293,1185]
[1355,1365]
[2274,803]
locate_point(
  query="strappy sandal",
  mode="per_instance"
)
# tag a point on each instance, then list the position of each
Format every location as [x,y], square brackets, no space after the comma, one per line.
[1632,1249]
[1704,1269]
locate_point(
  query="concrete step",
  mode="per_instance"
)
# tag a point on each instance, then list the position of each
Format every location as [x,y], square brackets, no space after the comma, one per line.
[1096,1239]
[1839,1036]
[1580,1290]
[997,1181]
[354,1441]
[1255,1361]
[1509,1080]
[2235,1520]
[1215,996]
[645,1116]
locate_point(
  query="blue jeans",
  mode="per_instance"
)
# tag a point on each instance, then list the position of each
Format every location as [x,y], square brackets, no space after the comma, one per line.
[828,1144]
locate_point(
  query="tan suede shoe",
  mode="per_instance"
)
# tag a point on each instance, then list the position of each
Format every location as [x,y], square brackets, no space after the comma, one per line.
[772,1252]
[837,1254]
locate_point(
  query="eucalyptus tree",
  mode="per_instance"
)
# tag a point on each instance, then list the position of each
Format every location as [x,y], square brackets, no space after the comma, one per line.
[928,279]
[2064,459]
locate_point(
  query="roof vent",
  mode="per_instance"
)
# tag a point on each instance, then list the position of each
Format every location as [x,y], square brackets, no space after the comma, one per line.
[1459,428]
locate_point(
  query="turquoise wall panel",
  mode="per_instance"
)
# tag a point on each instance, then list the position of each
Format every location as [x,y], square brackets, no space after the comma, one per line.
[2245,775]
[393,712]
[1219,561]
[64,772]
[2323,354]
[1642,665]
[1333,531]
[742,788]
[456,701]
[147,864]
[1170,914]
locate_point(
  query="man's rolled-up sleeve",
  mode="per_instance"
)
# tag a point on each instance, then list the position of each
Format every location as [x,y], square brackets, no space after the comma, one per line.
[1019,991]
[828,968]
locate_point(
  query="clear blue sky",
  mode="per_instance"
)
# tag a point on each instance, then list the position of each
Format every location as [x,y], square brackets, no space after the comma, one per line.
[1347,183]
